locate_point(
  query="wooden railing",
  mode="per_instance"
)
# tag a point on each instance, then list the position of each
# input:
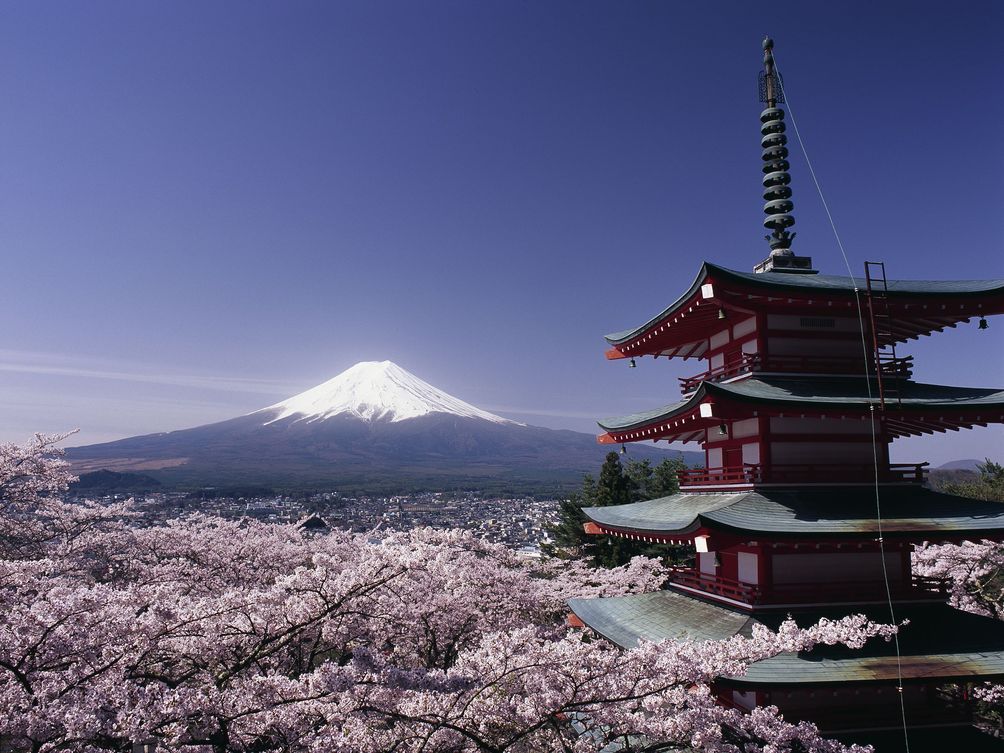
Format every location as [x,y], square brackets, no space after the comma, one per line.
[918,588]
[892,368]
[714,584]
[745,365]
[915,472]
[806,473]
[747,474]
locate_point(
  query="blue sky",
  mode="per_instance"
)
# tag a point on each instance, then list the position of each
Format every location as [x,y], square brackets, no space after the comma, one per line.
[205,207]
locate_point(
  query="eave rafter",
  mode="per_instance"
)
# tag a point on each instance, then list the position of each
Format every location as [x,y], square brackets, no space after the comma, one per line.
[689,420]
[913,313]
[683,334]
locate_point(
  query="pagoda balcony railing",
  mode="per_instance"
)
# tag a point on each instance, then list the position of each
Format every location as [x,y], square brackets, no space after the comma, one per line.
[715,585]
[747,474]
[918,588]
[744,365]
[806,473]
[892,368]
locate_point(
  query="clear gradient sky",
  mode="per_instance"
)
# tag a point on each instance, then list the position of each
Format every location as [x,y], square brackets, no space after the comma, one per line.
[208,206]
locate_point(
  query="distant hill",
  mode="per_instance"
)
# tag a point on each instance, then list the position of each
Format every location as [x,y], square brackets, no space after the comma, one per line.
[111,482]
[969,464]
[375,428]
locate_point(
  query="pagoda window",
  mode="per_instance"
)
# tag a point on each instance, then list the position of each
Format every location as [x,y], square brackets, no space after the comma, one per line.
[804,346]
[822,426]
[707,563]
[751,453]
[821,453]
[719,339]
[748,427]
[814,324]
[835,567]
[745,327]
[749,565]
[715,457]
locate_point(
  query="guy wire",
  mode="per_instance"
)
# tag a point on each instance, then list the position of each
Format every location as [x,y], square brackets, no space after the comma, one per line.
[871,404]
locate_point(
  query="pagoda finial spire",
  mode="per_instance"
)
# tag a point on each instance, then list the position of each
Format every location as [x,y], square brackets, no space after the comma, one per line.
[776,179]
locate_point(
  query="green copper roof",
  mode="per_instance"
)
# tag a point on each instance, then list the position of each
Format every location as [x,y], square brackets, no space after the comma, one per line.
[680,513]
[847,284]
[656,616]
[837,392]
[938,643]
[808,512]
[834,284]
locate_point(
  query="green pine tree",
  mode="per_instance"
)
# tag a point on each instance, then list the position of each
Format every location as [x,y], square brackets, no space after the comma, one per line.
[639,474]
[568,537]
[989,486]
[616,485]
[665,481]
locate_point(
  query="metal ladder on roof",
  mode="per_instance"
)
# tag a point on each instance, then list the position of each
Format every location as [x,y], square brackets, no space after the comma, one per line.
[886,367]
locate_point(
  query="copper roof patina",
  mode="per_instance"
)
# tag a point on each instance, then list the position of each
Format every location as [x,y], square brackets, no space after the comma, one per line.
[825,285]
[938,643]
[835,392]
[808,512]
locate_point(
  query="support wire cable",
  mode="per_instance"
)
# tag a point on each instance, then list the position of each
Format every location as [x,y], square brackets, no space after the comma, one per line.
[871,403]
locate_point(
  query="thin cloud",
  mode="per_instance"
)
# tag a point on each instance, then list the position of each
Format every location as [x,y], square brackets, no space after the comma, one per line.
[26,362]
[549,412]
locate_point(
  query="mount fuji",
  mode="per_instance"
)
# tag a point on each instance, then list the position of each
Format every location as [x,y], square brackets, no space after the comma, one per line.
[374,391]
[374,427]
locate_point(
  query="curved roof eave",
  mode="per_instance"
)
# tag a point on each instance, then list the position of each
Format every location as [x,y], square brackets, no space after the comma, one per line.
[842,394]
[847,285]
[908,512]
[677,514]
[624,423]
[617,338]
[846,392]
[832,284]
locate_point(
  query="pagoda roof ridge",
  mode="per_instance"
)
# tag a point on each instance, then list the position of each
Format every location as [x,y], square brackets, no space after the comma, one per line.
[799,513]
[839,285]
[939,642]
[819,392]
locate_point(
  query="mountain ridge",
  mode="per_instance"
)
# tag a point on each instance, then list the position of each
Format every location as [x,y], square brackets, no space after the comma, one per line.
[375,391]
[380,426]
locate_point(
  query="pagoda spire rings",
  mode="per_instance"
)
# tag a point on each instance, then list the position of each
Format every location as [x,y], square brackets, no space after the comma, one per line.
[776,179]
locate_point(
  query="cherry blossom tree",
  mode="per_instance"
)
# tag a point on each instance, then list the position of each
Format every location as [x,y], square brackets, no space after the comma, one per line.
[205,635]
[974,575]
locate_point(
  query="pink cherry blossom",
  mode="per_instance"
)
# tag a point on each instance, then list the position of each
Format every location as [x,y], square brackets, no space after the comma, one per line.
[205,635]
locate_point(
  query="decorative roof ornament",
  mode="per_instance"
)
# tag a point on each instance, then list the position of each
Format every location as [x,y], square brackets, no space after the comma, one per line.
[776,179]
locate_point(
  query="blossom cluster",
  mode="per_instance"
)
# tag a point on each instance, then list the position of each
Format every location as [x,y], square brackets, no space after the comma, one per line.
[212,636]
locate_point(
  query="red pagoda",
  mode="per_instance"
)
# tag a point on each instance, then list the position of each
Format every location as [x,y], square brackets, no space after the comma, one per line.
[799,510]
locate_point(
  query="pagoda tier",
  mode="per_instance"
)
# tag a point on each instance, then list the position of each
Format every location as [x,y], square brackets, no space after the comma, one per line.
[776,305]
[908,514]
[776,549]
[804,430]
[939,644]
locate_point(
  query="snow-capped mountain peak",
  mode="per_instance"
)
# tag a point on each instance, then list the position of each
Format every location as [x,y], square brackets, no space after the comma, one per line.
[375,391]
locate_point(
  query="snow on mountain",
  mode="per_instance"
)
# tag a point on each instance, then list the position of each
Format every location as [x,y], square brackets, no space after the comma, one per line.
[375,391]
